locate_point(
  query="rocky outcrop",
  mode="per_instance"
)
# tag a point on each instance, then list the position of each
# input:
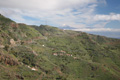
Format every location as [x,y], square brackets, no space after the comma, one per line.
[8,60]
[12,42]
[14,25]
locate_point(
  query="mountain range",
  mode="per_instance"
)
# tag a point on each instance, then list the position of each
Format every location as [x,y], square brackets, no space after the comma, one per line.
[29,52]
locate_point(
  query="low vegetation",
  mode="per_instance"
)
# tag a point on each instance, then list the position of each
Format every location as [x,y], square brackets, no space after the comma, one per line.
[48,53]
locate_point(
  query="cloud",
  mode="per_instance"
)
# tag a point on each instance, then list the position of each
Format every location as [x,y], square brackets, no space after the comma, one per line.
[107,17]
[57,12]
[98,30]
[74,13]
[45,4]
[102,2]
[101,24]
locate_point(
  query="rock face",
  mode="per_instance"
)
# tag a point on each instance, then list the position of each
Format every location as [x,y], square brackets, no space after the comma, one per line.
[8,60]
[14,25]
[12,42]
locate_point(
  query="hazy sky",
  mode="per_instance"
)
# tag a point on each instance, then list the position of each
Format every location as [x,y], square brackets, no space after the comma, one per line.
[85,15]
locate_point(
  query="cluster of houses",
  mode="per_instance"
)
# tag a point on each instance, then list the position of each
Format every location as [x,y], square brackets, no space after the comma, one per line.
[63,53]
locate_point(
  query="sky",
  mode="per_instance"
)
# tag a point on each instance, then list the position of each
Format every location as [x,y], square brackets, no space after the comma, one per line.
[93,16]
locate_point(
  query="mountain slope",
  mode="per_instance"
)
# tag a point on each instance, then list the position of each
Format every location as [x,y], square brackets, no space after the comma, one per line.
[48,53]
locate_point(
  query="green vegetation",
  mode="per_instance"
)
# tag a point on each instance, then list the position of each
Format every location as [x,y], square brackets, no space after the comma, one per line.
[48,53]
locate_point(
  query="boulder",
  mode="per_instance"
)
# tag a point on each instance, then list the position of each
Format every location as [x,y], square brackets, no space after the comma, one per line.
[12,42]
[2,46]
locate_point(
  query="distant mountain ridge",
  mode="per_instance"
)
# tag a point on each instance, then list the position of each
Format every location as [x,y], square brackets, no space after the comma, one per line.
[66,27]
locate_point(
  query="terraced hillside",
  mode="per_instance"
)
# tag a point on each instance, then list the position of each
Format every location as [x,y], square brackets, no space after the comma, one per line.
[48,53]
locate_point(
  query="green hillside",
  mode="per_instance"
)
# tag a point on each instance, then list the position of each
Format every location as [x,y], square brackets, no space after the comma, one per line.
[48,53]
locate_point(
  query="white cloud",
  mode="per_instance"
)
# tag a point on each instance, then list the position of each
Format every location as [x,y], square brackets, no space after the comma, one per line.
[107,17]
[57,12]
[98,30]
[101,24]
[75,13]
[44,4]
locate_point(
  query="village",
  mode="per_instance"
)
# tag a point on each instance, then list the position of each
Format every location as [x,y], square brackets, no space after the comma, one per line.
[63,53]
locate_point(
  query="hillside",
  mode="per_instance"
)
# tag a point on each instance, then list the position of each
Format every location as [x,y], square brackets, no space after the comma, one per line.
[47,53]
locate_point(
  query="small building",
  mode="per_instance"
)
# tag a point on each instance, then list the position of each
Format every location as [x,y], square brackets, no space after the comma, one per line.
[62,51]
[33,69]
[55,54]
[75,57]
[68,54]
